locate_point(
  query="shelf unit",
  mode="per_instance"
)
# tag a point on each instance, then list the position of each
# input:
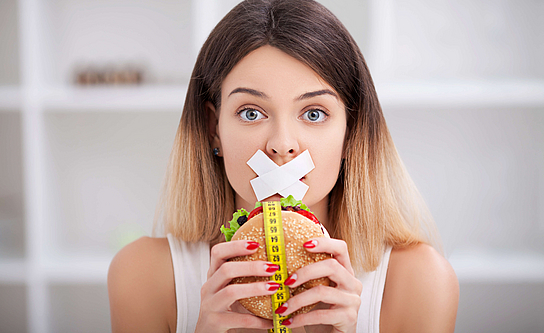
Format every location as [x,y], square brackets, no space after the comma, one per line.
[114,141]
[70,135]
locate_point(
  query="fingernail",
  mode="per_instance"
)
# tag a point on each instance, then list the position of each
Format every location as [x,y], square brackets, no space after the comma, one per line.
[272,286]
[292,279]
[252,245]
[287,322]
[281,309]
[271,268]
[310,244]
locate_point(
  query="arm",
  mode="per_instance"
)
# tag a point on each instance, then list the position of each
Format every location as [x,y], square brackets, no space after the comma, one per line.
[141,288]
[421,292]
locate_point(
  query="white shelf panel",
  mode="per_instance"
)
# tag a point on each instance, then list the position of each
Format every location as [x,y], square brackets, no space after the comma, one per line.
[512,93]
[77,270]
[58,271]
[156,98]
[10,98]
[465,94]
[486,267]
[476,267]
[13,271]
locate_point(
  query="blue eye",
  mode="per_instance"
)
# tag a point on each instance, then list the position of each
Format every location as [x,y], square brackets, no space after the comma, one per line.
[314,115]
[250,114]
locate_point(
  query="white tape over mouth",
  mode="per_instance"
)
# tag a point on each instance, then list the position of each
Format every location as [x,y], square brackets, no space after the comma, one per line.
[284,180]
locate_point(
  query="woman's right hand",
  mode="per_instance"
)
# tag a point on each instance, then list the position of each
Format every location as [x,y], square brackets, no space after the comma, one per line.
[217,296]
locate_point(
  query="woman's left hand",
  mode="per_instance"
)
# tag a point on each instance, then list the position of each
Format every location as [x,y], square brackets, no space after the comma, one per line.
[344,297]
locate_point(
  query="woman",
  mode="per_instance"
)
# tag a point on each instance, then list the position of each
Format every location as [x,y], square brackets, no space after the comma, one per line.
[284,77]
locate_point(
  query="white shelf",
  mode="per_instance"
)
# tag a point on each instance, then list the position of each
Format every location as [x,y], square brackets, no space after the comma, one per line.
[100,98]
[106,98]
[13,271]
[57,271]
[77,270]
[470,267]
[462,94]
[10,98]
[443,94]
[155,98]
[489,267]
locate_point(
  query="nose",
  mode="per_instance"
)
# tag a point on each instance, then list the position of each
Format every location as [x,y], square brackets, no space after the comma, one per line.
[282,145]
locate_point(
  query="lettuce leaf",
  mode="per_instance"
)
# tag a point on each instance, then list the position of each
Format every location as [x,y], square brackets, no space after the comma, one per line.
[234,226]
[291,201]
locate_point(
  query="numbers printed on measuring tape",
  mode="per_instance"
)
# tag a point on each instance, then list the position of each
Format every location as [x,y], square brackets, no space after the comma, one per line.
[275,248]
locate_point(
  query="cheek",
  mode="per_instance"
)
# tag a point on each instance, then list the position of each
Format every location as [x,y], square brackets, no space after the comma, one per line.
[236,152]
[328,162]
[327,159]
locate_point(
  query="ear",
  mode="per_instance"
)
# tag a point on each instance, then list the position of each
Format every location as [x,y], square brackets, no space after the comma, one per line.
[213,121]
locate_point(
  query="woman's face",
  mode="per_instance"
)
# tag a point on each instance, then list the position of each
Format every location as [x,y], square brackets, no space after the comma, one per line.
[275,103]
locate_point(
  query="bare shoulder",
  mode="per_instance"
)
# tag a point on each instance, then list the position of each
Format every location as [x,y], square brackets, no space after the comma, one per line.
[421,292]
[141,287]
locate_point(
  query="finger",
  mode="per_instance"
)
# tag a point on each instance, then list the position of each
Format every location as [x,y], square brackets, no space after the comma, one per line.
[233,269]
[221,252]
[231,293]
[330,268]
[338,248]
[317,294]
[342,319]
[232,320]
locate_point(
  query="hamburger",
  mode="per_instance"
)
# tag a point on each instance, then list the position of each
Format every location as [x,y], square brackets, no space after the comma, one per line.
[299,225]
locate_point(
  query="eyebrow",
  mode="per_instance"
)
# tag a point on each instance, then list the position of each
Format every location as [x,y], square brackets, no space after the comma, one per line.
[304,96]
[315,94]
[249,91]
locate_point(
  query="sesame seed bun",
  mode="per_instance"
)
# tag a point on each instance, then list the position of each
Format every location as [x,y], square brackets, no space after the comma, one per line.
[297,229]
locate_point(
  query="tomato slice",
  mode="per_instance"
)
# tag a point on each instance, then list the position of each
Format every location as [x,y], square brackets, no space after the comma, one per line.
[254,212]
[309,215]
[302,212]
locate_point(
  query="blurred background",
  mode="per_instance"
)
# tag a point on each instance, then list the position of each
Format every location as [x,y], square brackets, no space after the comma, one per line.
[91,92]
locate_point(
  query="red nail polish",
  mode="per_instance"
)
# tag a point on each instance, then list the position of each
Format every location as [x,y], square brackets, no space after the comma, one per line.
[272,286]
[252,245]
[287,322]
[292,279]
[271,268]
[310,244]
[281,309]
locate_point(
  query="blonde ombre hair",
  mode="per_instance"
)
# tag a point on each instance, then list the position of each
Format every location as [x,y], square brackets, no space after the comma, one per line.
[374,202]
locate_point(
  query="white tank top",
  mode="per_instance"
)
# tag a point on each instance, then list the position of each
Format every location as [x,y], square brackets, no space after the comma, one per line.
[191,262]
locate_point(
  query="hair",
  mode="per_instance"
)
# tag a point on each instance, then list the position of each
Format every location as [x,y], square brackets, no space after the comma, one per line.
[374,202]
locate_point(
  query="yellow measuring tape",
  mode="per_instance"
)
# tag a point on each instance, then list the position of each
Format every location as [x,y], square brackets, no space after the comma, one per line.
[275,249]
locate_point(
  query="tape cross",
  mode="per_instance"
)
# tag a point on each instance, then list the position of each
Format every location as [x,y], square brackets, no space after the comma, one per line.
[284,180]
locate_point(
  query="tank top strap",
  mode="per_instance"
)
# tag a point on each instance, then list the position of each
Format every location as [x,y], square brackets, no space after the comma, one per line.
[372,295]
[191,262]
